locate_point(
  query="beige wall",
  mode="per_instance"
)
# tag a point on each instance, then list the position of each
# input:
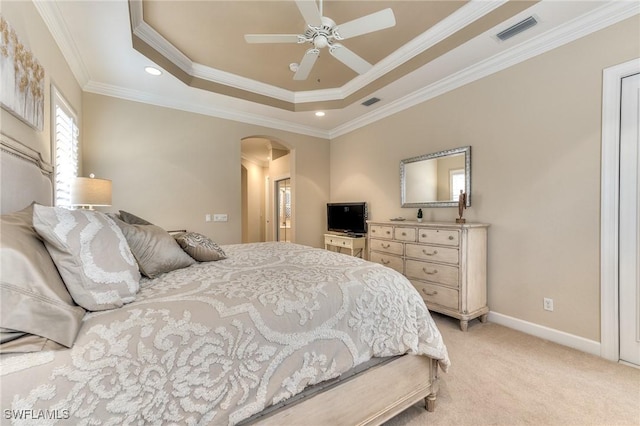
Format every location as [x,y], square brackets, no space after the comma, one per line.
[34,35]
[173,167]
[535,136]
[253,203]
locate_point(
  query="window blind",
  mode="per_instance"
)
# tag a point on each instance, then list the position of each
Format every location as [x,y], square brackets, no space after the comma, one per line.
[66,149]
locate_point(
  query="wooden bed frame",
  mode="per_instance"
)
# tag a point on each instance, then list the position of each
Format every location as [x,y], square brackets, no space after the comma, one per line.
[367,398]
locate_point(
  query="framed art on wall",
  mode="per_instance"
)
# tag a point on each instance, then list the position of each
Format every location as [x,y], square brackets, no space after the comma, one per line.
[22,89]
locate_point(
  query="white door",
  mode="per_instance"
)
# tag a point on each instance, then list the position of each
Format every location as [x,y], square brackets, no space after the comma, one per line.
[630,220]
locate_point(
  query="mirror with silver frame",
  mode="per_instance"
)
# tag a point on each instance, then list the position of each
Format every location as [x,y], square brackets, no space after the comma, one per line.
[435,180]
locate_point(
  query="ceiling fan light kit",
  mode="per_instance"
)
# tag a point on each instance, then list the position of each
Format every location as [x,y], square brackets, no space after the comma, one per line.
[323,32]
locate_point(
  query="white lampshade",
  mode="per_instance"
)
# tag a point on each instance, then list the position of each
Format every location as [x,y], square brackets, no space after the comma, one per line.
[90,192]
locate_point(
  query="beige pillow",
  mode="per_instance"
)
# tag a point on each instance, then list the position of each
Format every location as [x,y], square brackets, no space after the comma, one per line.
[91,254]
[200,247]
[155,250]
[17,341]
[35,305]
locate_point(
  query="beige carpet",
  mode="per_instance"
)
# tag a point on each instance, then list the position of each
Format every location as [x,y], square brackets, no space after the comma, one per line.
[500,376]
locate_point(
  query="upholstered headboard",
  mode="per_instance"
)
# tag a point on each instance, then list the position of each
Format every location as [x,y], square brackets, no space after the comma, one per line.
[24,176]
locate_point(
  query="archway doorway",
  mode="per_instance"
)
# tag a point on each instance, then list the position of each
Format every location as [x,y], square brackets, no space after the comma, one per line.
[264,162]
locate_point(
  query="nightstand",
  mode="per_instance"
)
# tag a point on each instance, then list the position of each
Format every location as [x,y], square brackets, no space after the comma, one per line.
[355,245]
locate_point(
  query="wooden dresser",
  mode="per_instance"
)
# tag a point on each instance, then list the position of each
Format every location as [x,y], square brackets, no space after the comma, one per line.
[446,263]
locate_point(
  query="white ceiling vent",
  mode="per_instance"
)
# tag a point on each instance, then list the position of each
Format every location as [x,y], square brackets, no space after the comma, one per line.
[513,30]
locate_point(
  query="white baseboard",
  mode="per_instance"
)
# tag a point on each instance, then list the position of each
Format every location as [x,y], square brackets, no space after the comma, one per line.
[553,335]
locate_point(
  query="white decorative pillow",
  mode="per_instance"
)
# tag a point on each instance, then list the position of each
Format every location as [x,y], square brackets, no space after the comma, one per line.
[200,247]
[91,254]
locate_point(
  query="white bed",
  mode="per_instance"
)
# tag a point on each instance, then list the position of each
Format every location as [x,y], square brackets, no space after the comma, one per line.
[220,342]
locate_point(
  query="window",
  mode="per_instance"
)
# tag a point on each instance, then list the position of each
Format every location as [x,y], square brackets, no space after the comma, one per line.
[65,147]
[456,183]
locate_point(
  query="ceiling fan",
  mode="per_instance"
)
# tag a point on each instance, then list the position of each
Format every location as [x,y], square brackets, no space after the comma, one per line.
[323,32]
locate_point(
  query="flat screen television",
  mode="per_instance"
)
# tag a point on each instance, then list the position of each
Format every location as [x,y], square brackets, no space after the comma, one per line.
[349,218]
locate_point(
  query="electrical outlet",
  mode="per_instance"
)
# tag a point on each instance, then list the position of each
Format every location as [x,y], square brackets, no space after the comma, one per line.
[548,304]
[207,217]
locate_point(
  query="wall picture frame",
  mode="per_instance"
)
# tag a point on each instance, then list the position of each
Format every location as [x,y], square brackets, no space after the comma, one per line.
[22,88]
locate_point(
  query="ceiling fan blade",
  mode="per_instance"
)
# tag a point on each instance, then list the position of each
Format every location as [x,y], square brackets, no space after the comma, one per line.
[349,58]
[310,13]
[273,38]
[306,64]
[367,24]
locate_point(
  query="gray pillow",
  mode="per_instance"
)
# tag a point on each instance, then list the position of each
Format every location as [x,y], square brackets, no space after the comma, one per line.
[132,219]
[155,250]
[91,254]
[36,309]
[200,247]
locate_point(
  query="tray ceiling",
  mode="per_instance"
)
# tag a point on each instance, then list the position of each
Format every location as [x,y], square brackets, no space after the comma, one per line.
[435,47]
[209,35]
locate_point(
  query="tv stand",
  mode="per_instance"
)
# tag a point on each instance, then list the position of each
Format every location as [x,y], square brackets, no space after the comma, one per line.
[356,245]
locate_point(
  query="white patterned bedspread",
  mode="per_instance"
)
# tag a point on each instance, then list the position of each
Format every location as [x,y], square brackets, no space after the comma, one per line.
[218,342]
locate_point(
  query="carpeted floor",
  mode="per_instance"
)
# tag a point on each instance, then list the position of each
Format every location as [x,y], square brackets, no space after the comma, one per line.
[500,376]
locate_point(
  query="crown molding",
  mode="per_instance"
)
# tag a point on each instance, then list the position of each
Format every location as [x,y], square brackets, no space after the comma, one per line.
[602,17]
[154,39]
[150,36]
[239,82]
[462,17]
[224,113]
[54,21]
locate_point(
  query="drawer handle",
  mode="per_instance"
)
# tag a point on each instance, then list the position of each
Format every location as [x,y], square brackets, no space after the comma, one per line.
[432,293]
[385,246]
[424,235]
[430,254]
[404,234]
[373,231]
[451,237]
[385,262]
[344,242]
[435,271]
[388,232]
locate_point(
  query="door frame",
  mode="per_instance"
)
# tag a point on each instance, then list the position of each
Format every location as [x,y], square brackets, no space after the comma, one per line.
[610,207]
[275,210]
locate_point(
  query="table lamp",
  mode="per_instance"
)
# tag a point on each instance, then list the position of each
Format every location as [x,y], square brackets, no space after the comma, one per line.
[90,192]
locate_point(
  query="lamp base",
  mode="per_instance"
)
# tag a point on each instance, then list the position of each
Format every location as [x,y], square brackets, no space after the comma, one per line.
[461,220]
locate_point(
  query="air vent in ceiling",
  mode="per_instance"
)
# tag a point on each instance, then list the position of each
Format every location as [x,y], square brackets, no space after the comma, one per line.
[513,30]
[370,101]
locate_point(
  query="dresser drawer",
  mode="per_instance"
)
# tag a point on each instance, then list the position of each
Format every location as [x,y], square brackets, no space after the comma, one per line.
[405,234]
[392,247]
[393,262]
[439,236]
[435,272]
[438,295]
[378,231]
[434,253]
[338,241]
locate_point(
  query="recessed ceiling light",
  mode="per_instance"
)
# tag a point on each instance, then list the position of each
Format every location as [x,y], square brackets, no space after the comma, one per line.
[319,113]
[153,71]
